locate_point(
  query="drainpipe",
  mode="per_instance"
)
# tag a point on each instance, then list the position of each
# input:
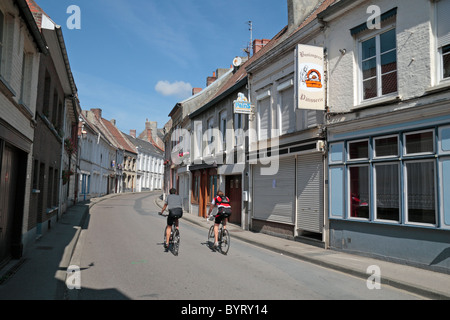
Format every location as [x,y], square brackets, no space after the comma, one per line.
[62,162]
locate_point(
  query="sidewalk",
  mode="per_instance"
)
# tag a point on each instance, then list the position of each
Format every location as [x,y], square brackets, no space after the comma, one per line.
[41,273]
[430,284]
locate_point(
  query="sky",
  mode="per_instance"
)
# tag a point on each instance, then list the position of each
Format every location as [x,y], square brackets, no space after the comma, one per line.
[135,59]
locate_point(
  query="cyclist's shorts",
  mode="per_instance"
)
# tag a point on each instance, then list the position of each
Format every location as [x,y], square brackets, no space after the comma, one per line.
[174,214]
[219,219]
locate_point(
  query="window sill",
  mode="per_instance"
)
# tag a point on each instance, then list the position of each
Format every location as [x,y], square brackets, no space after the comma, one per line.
[376,102]
[442,86]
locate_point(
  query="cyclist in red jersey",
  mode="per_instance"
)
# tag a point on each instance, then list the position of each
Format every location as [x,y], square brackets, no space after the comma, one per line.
[224,211]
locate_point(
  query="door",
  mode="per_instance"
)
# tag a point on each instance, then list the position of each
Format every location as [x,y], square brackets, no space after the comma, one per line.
[233,191]
[8,182]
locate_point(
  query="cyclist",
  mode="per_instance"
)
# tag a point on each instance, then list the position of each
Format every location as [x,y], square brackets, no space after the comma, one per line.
[174,203]
[223,212]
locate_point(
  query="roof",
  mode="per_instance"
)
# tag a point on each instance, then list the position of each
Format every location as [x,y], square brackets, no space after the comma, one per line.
[145,145]
[119,136]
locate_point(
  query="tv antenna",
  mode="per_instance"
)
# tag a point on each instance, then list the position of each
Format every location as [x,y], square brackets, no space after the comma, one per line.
[250,28]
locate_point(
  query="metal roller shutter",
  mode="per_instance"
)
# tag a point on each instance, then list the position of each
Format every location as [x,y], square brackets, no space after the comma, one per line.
[274,195]
[310,193]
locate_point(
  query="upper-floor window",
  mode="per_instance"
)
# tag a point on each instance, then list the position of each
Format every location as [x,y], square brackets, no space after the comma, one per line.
[223,128]
[443,37]
[378,65]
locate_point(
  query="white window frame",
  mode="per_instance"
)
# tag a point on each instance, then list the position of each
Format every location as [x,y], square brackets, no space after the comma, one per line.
[266,94]
[379,75]
[386,137]
[405,154]
[349,194]
[405,195]
[280,89]
[440,43]
[375,195]
[358,159]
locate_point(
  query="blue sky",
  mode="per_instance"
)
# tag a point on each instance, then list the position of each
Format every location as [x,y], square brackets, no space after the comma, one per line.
[135,59]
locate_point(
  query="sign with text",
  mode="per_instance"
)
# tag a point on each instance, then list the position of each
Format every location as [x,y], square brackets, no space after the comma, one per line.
[310,78]
[242,105]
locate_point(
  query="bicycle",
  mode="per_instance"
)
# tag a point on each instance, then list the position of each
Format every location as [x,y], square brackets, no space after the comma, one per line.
[224,238]
[174,240]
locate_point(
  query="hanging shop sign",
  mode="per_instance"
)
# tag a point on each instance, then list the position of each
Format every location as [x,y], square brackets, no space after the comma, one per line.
[242,105]
[310,77]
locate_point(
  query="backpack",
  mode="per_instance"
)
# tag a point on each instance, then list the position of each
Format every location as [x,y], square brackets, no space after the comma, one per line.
[226,210]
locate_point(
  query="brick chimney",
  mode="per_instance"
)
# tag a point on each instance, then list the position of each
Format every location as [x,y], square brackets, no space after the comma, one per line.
[133,133]
[258,44]
[196,90]
[97,113]
[299,10]
[210,80]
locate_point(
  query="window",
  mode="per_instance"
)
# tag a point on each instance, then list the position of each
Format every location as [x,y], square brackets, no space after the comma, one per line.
[264,115]
[223,128]
[387,191]
[359,191]
[446,62]
[443,37]
[386,147]
[199,139]
[419,142]
[379,65]
[358,150]
[286,113]
[421,196]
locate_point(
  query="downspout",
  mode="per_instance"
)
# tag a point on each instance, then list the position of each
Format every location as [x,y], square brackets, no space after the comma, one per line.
[62,162]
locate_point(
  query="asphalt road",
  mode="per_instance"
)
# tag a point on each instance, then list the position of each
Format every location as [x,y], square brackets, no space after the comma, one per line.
[121,256]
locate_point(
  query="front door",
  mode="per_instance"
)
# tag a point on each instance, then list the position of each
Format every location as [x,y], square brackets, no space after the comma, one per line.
[234,193]
[8,182]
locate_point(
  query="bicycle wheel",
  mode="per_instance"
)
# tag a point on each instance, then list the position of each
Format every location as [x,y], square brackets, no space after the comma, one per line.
[176,242]
[225,241]
[211,236]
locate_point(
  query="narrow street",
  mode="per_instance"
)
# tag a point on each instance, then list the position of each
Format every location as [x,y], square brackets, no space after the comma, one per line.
[121,256]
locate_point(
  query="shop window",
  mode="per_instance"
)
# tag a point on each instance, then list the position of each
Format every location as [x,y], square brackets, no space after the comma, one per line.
[386,147]
[359,191]
[387,191]
[421,195]
[419,142]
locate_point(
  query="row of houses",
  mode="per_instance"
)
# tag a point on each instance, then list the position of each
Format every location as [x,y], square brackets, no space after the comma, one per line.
[334,132]
[52,153]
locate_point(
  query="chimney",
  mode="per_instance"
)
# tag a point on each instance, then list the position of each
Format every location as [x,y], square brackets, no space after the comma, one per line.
[133,133]
[196,90]
[258,44]
[113,121]
[299,10]
[210,80]
[97,113]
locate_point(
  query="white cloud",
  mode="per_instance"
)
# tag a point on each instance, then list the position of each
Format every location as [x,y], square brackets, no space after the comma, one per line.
[179,88]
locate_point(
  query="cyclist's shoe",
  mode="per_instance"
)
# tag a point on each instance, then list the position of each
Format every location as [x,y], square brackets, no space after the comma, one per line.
[216,245]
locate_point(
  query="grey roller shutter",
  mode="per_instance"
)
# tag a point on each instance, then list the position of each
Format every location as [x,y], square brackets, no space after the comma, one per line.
[274,195]
[310,193]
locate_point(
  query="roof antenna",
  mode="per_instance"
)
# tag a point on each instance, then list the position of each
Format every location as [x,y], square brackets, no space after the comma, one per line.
[250,25]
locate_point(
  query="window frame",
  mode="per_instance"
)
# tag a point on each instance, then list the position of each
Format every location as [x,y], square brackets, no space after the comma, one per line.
[375,157]
[375,194]
[406,192]
[349,193]
[405,154]
[378,54]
